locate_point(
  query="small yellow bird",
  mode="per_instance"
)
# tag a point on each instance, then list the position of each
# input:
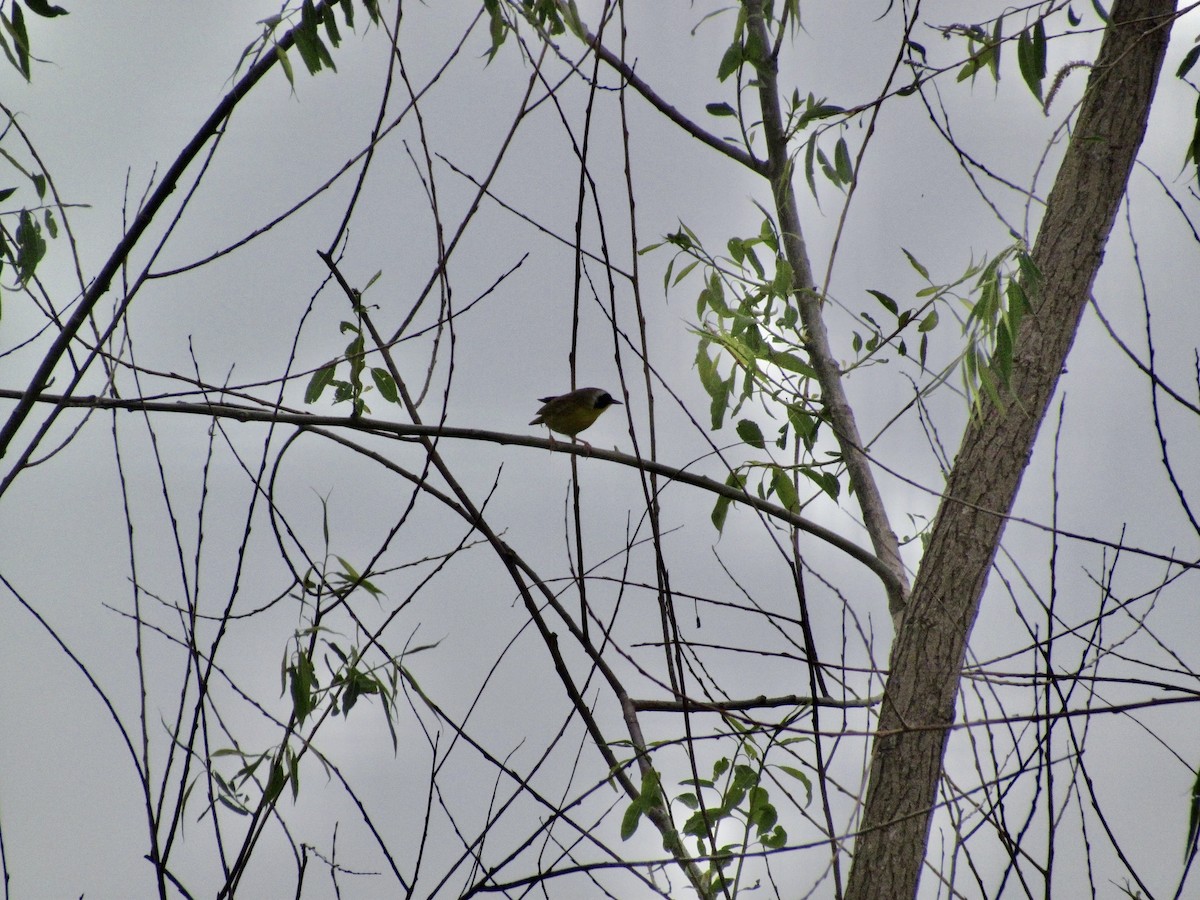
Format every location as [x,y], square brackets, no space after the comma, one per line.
[571,413]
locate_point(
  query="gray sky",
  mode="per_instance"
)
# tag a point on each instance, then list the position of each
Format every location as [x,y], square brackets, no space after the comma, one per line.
[126,84]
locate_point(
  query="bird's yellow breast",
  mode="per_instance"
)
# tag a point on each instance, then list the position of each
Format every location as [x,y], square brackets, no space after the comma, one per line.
[572,420]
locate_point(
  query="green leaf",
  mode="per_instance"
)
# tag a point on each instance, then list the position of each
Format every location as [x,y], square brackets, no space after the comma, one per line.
[1031,57]
[912,261]
[815,112]
[785,277]
[709,378]
[294,773]
[929,322]
[826,167]
[1188,62]
[791,362]
[42,8]
[721,509]
[16,27]
[730,61]
[303,678]
[841,157]
[719,405]
[629,821]
[320,380]
[1193,820]
[1194,146]
[31,246]
[1002,356]
[713,296]
[720,109]
[887,301]
[331,29]
[683,273]
[497,27]
[996,45]
[385,384]
[308,41]
[1018,305]
[689,799]
[573,21]
[1031,279]
[749,432]
[785,490]
[275,783]
[826,481]
[776,840]
[5,193]
[720,513]
[286,65]
[809,169]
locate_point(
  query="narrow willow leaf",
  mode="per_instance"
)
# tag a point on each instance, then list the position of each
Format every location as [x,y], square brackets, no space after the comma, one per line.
[997,43]
[1188,62]
[912,261]
[275,783]
[683,273]
[1193,820]
[841,156]
[719,406]
[889,304]
[286,65]
[42,8]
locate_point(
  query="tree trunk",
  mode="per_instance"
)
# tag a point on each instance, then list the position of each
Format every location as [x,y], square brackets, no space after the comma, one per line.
[928,653]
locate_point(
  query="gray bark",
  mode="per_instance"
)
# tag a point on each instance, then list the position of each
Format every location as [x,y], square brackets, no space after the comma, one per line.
[928,653]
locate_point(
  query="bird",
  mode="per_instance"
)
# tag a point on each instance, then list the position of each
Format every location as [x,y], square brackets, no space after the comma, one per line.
[572,412]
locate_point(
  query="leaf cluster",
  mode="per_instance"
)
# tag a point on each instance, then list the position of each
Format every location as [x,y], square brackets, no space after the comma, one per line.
[1000,292]
[14,32]
[22,249]
[748,315]
[736,795]
[351,386]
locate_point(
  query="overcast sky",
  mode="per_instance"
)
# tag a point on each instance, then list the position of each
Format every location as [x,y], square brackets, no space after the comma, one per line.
[122,86]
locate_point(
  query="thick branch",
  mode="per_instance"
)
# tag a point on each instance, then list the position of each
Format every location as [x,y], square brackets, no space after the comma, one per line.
[927,657]
[829,374]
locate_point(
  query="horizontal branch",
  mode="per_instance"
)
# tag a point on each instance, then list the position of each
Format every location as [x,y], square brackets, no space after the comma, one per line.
[694,706]
[402,430]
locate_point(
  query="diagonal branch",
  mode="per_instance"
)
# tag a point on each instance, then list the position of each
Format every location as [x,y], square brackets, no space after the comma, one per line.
[811,308]
[120,255]
[927,658]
